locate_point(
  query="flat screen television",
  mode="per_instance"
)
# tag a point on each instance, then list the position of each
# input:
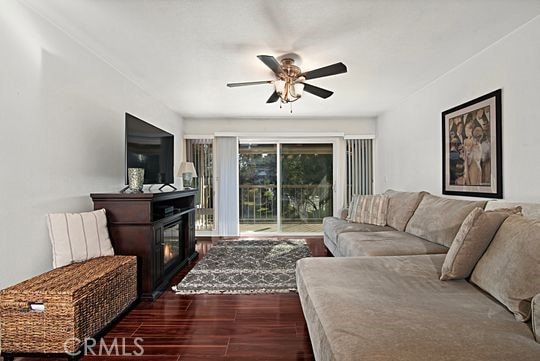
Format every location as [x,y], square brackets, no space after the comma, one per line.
[150,148]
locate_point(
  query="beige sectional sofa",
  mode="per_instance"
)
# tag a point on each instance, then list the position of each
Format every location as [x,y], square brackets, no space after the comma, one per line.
[381,297]
[417,223]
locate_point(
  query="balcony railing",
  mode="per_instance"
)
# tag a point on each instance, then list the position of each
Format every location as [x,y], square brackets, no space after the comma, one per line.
[300,203]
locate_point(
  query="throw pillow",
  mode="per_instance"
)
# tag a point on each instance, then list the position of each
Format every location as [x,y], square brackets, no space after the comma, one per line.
[472,240]
[351,214]
[78,237]
[369,209]
[510,269]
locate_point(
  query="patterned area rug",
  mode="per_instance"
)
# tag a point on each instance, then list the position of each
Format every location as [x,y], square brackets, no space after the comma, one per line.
[246,266]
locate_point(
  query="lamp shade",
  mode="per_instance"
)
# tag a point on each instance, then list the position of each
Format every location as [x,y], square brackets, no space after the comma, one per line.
[298,89]
[187,167]
[280,86]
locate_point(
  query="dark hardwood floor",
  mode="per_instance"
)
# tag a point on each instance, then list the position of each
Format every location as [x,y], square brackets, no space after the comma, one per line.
[215,327]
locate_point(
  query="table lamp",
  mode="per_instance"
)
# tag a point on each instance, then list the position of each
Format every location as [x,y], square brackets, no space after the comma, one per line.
[187,172]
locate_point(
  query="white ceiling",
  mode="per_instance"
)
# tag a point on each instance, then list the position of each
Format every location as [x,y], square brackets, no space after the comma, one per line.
[184,52]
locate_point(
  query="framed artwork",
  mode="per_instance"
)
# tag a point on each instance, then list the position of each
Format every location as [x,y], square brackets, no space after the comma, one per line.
[472,149]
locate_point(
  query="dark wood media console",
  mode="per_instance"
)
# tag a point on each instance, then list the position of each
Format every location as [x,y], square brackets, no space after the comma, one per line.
[157,227]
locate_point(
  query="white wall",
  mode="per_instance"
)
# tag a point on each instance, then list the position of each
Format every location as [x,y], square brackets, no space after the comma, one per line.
[61,133]
[292,124]
[409,136]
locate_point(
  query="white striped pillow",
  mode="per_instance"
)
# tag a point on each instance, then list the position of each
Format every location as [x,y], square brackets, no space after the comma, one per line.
[370,209]
[78,237]
[351,215]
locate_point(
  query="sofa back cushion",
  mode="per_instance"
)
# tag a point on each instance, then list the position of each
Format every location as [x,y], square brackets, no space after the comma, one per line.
[510,268]
[472,240]
[369,209]
[438,219]
[529,210]
[401,207]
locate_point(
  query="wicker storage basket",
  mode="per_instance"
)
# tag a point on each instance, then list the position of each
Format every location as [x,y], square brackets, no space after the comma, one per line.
[79,300]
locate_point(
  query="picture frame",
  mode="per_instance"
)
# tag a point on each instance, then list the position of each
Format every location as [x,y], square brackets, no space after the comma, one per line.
[472,148]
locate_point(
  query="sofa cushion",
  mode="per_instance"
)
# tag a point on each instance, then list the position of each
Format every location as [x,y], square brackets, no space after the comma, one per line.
[369,209]
[334,226]
[396,308]
[384,243]
[78,237]
[529,210]
[472,240]
[401,207]
[438,219]
[510,268]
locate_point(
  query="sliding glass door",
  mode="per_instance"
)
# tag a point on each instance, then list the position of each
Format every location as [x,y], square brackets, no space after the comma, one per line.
[285,187]
[306,186]
[258,188]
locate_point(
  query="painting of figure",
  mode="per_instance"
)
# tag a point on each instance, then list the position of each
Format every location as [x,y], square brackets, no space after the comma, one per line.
[472,148]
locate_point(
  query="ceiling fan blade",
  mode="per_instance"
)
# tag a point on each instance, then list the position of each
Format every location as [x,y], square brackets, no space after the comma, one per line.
[271,62]
[273,98]
[233,85]
[333,69]
[315,90]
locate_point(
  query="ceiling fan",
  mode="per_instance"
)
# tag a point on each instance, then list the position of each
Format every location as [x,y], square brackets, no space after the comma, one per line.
[290,84]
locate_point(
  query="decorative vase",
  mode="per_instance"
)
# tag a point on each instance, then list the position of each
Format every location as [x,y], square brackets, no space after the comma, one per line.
[136,179]
[187,179]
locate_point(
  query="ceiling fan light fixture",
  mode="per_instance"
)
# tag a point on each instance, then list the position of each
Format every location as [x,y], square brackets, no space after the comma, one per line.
[288,91]
[289,84]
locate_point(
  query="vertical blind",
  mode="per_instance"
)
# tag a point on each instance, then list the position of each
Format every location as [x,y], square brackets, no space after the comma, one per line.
[359,159]
[200,152]
[227,184]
